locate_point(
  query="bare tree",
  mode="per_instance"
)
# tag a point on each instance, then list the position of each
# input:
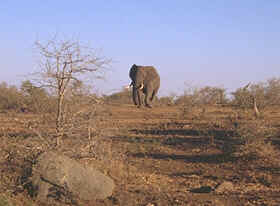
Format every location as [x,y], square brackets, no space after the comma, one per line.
[62,62]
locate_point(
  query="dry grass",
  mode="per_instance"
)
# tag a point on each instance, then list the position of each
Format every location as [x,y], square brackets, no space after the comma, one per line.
[155,156]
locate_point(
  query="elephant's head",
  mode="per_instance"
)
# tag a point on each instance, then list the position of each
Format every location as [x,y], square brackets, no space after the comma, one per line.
[137,78]
[137,75]
[140,76]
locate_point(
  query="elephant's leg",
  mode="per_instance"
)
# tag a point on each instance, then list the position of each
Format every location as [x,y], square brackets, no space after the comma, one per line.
[139,97]
[155,88]
[148,97]
[153,95]
[142,98]
[135,96]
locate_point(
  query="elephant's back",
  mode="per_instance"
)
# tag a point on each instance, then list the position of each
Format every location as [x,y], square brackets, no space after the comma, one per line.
[149,71]
[154,73]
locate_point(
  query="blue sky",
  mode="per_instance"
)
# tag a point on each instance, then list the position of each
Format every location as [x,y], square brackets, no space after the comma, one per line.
[191,42]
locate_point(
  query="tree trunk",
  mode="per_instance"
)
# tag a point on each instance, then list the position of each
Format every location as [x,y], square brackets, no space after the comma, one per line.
[59,120]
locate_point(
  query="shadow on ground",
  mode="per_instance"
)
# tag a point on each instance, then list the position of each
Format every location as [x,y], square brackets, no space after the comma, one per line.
[222,144]
[184,139]
[204,158]
[184,132]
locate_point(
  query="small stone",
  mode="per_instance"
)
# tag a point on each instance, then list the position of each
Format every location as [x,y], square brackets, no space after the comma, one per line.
[225,187]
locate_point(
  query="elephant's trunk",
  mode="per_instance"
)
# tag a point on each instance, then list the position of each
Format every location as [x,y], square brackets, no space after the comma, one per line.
[134,96]
[139,98]
[138,93]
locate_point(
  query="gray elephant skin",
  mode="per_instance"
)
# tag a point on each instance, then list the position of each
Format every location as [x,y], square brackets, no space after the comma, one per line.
[145,82]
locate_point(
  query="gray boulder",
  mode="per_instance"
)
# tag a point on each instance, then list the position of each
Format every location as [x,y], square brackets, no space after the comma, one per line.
[57,176]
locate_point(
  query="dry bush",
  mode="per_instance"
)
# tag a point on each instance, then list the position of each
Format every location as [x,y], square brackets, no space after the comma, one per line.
[167,100]
[62,64]
[37,100]
[211,96]
[26,99]
[4,200]
[272,91]
[242,98]
[203,96]
[260,149]
[85,117]
[17,158]
[122,97]
[187,102]
[250,131]
[257,140]
[264,94]
[10,97]
[200,97]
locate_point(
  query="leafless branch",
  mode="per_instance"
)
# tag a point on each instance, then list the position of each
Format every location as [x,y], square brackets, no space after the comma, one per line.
[63,61]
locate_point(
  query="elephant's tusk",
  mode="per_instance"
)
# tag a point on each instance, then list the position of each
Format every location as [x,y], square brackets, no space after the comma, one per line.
[141,86]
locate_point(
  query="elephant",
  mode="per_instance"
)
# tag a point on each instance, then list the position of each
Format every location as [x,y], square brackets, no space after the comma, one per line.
[145,82]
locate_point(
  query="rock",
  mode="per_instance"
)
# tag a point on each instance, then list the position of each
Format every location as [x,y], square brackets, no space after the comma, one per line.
[58,176]
[225,187]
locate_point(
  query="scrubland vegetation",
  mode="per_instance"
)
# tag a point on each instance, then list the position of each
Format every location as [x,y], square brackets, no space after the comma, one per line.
[178,153]
[205,147]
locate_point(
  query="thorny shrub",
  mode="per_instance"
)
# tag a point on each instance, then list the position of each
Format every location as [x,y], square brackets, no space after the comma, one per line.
[28,98]
[37,100]
[10,97]
[257,137]
[265,93]
[122,97]
[203,96]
